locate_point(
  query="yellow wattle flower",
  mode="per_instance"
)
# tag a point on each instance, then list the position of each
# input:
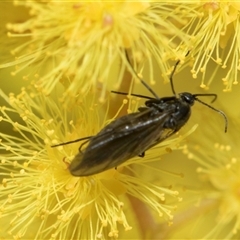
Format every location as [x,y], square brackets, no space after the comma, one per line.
[80,43]
[40,199]
[214,38]
[213,194]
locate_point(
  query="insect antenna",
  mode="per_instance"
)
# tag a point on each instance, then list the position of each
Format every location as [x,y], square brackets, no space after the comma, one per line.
[207,94]
[220,112]
[73,141]
[141,80]
[172,73]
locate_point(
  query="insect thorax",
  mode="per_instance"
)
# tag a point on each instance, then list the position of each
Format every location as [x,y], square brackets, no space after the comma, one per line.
[179,113]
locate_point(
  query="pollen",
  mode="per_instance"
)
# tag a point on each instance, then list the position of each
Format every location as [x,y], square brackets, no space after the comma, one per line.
[50,132]
[214,38]
[37,175]
[81,44]
[218,170]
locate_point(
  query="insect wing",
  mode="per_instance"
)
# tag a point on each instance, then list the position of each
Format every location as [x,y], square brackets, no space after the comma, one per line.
[121,140]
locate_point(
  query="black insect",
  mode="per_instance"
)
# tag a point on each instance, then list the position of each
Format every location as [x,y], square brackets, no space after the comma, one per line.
[133,134]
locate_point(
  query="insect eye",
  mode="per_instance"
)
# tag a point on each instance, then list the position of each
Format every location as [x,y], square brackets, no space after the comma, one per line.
[187,97]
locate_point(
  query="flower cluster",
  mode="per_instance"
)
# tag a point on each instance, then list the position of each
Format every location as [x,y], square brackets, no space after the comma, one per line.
[214,30]
[37,187]
[69,56]
[82,42]
[216,154]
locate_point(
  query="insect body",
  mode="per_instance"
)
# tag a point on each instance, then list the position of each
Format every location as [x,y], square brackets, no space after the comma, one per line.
[131,135]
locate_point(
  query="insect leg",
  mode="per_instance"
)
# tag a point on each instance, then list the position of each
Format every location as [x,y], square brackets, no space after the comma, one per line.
[79,149]
[74,141]
[142,109]
[142,154]
[172,73]
[142,81]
